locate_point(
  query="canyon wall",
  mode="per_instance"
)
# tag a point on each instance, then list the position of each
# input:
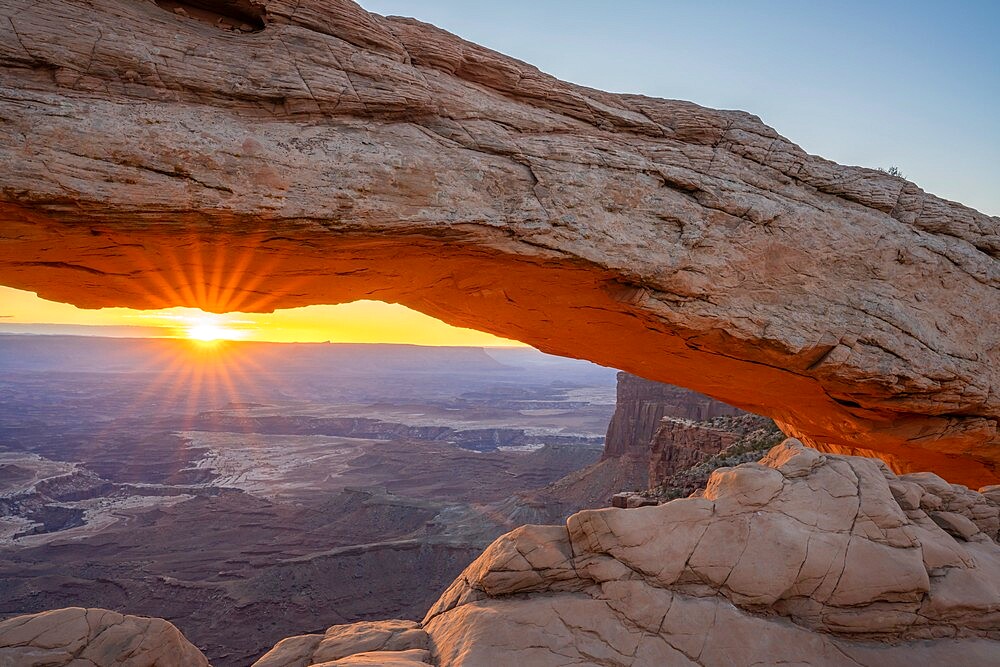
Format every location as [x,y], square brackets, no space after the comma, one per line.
[251,156]
[632,450]
[679,444]
[640,406]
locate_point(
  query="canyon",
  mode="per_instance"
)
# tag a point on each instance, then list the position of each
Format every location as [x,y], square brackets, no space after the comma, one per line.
[312,478]
[239,495]
[801,558]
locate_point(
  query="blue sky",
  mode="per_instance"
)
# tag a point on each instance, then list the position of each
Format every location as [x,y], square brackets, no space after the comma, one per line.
[882,83]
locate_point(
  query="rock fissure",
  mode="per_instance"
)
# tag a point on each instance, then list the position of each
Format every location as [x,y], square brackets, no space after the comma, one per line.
[305,83]
[10,19]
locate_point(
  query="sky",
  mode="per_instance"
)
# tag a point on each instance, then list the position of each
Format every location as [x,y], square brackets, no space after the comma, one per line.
[910,84]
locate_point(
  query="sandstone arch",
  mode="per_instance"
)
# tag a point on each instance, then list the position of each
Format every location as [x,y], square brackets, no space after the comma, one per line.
[152,159]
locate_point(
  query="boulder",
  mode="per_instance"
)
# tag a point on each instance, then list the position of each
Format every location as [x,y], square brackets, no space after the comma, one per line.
[363,643]
[802,558]
[77,637]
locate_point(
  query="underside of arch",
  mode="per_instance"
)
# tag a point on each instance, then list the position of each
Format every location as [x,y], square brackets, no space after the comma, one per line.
[337,155]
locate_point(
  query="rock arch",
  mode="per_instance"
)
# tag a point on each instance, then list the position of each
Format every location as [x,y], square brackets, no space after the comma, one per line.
[152,160]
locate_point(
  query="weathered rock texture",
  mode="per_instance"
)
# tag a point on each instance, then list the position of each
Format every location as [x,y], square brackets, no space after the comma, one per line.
[682,457]
[802,558]
[640,406]
[391,641]
[77,637]
[679,444]
[151,159]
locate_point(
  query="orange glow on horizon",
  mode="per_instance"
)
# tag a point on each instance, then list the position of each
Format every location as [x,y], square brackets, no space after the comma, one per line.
[357,322]
[229,285]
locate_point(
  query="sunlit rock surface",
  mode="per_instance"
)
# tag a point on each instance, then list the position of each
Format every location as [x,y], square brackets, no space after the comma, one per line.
[76,637]
[291,153]
[394,641]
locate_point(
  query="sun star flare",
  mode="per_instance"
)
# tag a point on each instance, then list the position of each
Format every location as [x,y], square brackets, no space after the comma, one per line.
[208,330]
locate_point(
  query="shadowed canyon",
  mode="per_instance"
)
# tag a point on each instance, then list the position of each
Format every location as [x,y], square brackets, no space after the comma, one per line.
[248,156]
[289,487]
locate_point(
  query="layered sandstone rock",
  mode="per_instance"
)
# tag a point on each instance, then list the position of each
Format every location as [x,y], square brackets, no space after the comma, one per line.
[77,637]
[325,154]
[802,558]
[640,406]
[680,444]
[631,452]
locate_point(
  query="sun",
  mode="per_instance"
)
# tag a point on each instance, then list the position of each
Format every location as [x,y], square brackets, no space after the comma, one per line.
[206,331]
[209,331]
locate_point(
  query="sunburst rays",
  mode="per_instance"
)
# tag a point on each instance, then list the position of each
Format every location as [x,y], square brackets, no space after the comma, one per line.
[197,289]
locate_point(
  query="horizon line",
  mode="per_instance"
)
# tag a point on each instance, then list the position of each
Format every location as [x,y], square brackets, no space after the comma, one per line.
[65,334]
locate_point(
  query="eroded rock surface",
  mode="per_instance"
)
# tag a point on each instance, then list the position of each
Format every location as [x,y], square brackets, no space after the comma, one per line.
[77,637]
[803,558]
[312,152]
[681,444]
[380,643]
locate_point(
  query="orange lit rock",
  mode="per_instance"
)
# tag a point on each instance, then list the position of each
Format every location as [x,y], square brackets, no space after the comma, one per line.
[151,158]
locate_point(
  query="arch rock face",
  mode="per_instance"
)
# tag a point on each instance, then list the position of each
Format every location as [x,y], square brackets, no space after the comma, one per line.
[157,154]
